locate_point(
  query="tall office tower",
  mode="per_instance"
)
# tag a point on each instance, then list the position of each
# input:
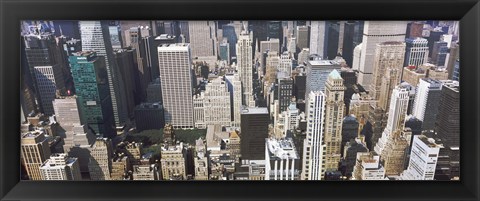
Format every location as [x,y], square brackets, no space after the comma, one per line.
[352,36]
[285,91]
[387,55]
[202,38]
[217,103]
[235,89]
[396,117]
[341,31]
[439,53]
[313,146]
[330,46]
[100,164]
[270,45]
[302,37]
[27,101]
[292,45]
[334,111]
[49,79]
[244,67]
[142,71]
[281,160]
[368,167]
[254,130]
[201,160]
[115,34]
[299,85]
[93,96]
[317,74]
[375,32]
[126,63]
[224,51]
[95,37]
[274,30]
[456,70]
[434,36]
[229,33]
[60,167]
[35,150]
[285,63]
[149,116]
[176,81]
[41,51]
[199,110]
[317,37]
[423,159]
[416,52]
[447,128]
[173,162]
[393,144]
[427,97]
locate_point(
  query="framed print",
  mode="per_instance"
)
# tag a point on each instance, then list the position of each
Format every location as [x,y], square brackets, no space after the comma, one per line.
[239,100]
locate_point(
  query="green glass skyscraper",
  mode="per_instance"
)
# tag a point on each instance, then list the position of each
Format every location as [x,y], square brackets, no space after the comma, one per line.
[91,84]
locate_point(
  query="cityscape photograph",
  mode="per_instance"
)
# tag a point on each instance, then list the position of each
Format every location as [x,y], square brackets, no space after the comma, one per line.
[240,100]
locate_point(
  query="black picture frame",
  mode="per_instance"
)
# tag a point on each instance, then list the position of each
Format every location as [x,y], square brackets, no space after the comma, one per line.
[12,11]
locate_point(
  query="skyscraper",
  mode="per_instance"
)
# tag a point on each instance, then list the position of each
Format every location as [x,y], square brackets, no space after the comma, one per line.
[235,89]
[202,38]
[423,159]
[392,146]
[35,151]
[95,37]
[387,55]
[313,146]
[254,130]
[285,91]
[425,107]
[317,74]
[49,79]
[334,112]
[93,95]
[244,67]
[302,37]
[375,32]
[416,52]
[176,80]
[317,37]
[447,128]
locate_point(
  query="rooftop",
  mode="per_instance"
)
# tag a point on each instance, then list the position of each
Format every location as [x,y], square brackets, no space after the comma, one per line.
[323,63]
[254,110]
[282,148]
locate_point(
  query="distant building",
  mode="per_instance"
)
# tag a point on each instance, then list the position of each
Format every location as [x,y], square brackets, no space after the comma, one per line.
[351,149]
[416,52]
[281,160]
[49,80]
[412,75]
[60,167]
[317,37]
[149,116]
[285,91]
[303,40]
[154,91]
[245,65]
[217,103]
